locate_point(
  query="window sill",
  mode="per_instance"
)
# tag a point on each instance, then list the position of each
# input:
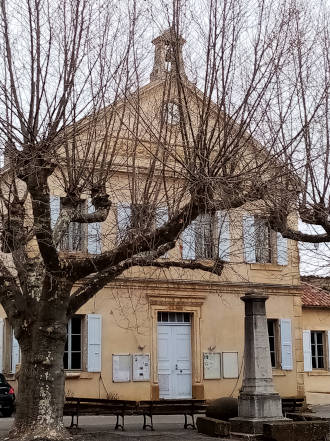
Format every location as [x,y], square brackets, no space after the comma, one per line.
[78,374]
[266,267]
[279,373]
[319,372]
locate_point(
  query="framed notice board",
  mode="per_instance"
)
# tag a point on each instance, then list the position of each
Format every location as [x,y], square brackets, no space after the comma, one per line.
[212,365]
[230,364]
[121,368]
[141,367]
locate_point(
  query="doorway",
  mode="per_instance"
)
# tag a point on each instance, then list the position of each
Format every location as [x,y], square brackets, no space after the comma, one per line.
[174,355]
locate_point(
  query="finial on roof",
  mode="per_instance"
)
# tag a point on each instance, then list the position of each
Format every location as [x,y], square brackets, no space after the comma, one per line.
[168,55]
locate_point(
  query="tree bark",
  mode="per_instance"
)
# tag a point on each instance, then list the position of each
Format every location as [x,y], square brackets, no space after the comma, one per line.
[41,379]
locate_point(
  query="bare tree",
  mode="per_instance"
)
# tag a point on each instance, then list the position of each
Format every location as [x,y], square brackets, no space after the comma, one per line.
[75,122]
[300,126]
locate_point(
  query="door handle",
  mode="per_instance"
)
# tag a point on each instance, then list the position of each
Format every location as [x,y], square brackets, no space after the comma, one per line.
[176,367]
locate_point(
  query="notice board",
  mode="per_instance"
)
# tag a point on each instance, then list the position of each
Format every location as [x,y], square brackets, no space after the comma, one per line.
[230,364]
[121,368]
[141,367]
[212,367]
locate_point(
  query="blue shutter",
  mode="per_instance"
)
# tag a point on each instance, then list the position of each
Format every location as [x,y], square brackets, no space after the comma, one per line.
[15,353]
[188,243]
[286,344]
[224,235]
[94,234]
[249,239]
[307,348]
[55,206]
[94,355]
[282,249]
[123,219]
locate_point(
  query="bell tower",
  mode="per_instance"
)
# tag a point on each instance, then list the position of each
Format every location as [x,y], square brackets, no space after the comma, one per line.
[168,56]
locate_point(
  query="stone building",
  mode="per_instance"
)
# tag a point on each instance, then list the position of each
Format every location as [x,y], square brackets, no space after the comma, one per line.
[178,333]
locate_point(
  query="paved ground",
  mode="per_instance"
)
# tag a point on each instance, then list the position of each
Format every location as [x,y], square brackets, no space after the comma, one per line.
[167,428]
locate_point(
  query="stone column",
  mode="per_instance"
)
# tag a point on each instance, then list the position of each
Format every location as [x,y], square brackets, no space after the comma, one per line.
[257,400]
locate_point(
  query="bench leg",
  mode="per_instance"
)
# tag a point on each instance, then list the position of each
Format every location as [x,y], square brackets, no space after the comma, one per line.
[74,424]
[145,425]
[189,425]
[118,425]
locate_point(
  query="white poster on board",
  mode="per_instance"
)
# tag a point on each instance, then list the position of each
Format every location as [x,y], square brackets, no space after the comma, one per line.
[230,365]
[121,368]
[212,368]
[141,367]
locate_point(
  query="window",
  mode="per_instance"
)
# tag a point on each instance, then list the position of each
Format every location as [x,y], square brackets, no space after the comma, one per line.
[317,347]
[207,237]
[261,244]
[173,317]
[133,218]
[273,341]
[72,351]
[78,236]
[280,343]
[263,233]
[171,113]
[204,243]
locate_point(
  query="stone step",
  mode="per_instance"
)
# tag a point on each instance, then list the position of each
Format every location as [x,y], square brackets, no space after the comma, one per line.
[245,436]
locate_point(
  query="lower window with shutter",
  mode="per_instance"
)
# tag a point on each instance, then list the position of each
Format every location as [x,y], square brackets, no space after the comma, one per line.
[274,347]
[316,345]
[79,356]
[73,346]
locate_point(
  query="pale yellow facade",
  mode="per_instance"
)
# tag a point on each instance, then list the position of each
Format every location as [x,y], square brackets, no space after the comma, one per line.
[128,311]
[317,380]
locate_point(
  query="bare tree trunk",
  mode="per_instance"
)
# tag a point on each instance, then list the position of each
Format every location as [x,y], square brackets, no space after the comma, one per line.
[41,381]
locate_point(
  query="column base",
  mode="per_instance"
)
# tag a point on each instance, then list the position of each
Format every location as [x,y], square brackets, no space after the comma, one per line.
[260,406]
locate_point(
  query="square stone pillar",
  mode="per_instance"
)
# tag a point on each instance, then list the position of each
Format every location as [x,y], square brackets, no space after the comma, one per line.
[258,402]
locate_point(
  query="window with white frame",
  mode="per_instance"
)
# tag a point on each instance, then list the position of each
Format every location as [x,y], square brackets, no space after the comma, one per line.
[86,329]
[207,237]
[316,346]
[280,343]
[78,236]
[318,349]
[273,341]
[261,244]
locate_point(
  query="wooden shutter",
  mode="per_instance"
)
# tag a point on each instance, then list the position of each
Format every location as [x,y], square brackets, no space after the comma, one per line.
[249,239]
[94,337]
[307,348]
[282,249]
[1,344]
[286,344]
[94,233]
[224,236]
[15,353]
[188,243]
[55,206]
[123,219]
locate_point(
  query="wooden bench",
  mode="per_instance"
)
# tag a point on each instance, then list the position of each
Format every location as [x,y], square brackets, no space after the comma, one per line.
[292,404]
[171,407]
[97,406]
